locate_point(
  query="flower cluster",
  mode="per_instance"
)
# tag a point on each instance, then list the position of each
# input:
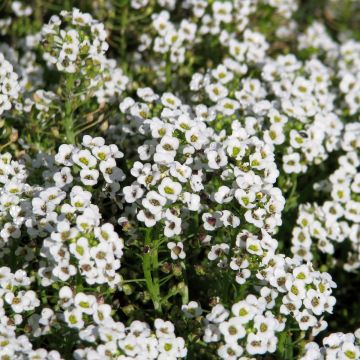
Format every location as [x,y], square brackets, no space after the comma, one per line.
[170,40]
[293,291]
[336,346]
[17,302]
[30,73]
[177,162]
[250,328]
[9,85]
[349,74]
[211,24]
[76,43]
[137,340]
[179,180]
[299,92]
[63,215]
[337,219]
[20,347]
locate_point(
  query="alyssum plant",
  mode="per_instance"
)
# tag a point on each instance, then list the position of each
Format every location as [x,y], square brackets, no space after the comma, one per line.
[190,197]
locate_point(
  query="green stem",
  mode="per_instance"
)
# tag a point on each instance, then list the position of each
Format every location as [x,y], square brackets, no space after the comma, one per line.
[294,184]
[38,13]
[168,71]
[68,5]
[292,197]
[165,279]
[151,270]
[69,124]
[155,263]
[69,119]
[285,346]
[185,290]
[123,27]
[132,281]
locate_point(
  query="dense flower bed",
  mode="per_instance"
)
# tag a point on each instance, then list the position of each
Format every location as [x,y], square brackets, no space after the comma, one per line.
[179,180]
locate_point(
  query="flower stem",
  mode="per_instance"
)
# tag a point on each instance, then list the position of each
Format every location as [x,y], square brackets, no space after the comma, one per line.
[185,290]
[151,270]
[69,124]
[123,27]
[69,120]
[168,70]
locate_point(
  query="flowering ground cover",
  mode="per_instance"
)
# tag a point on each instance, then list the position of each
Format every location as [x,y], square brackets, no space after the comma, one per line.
[179,179]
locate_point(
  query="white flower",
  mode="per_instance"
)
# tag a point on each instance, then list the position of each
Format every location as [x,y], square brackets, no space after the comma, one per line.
[17,302]
[133,192]
[63,177]
[180,172]
[84,159]
[74,318]
[243,311]
[192,201]
[170,189]
[85,303]
[21,9]
[217,159]
[223,195]
[170,100]
[231,351]
[102,313]
[211,221]
[232,330]
[292,163]
[192,309]
[218,314]
[256,344]
[216,92]
[296,289]
[149,218]
[154,202]
[222,11]
[176,250]
[80,249]
[65,297]
[89,177]
[172,226]
[305,320]
[253,246]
